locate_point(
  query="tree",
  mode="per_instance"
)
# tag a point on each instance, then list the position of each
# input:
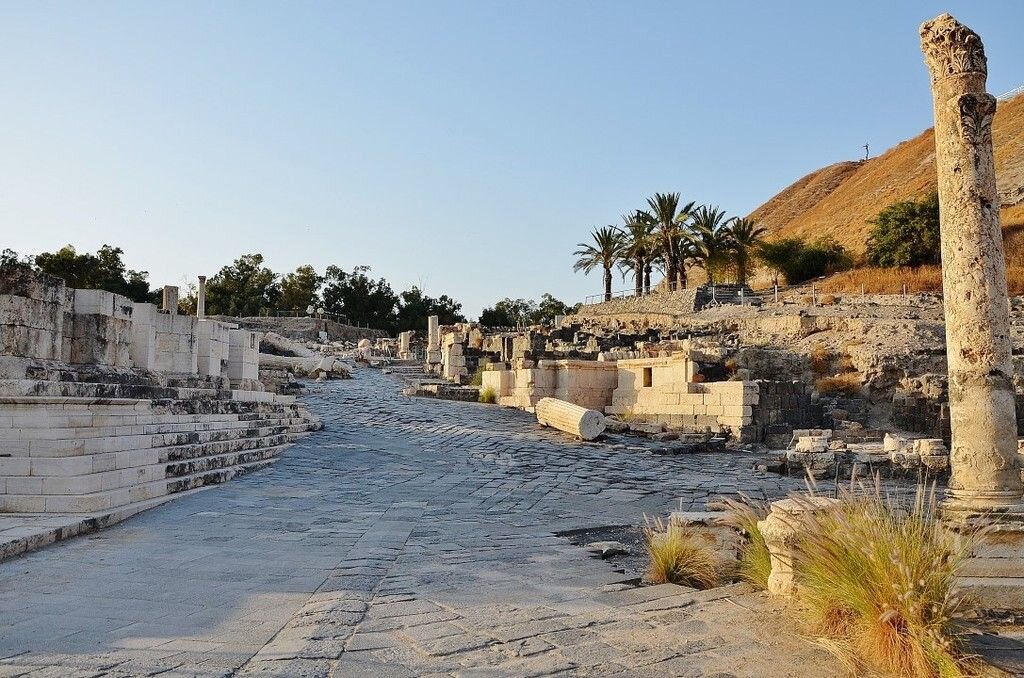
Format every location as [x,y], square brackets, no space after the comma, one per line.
[638,248]
[299,289]
[744,234]
[710,238]
[669,225]
[415,307]
[604,252]
[545,311]
[799,261]
[245,288]
[362,299]
[509,313]
[905,233]
[101,271]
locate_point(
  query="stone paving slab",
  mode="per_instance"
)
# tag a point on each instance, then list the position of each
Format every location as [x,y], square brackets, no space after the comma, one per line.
[409,538]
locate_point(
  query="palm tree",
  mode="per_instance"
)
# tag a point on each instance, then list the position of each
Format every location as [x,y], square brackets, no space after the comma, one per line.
[744,236]
[710,238]
[605,252]
[669,221]
[637,249]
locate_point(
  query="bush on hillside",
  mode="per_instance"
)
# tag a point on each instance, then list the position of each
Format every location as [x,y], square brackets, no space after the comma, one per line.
[799,261]
[905,233]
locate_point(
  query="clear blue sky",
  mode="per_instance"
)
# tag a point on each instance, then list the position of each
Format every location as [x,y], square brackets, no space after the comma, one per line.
[462,146]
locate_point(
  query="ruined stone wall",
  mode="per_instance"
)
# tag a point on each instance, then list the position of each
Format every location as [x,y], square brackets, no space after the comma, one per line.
[33,311]
[655,306]
[585,383]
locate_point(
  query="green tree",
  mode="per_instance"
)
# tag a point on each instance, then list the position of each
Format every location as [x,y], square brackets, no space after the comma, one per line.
[799,261]
[905,233]
[104,270]
[638,249]
[549,307]
[415,307]
[299,289]
[711,241]
[361,298]
[603,253]
[670,225]
[744,235]
[245,288]
[509,313]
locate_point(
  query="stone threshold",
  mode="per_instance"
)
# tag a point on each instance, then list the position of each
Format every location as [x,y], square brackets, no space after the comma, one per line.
[22,533]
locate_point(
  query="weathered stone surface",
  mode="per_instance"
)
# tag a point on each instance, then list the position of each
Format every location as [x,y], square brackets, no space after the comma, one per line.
[579,421]
[985,473]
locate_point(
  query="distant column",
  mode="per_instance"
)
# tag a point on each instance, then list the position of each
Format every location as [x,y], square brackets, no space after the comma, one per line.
[983,458]
[170,302]
[201,298]
[433,335]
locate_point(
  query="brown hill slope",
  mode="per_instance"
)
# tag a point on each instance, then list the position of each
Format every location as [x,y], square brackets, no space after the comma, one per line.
[838,200]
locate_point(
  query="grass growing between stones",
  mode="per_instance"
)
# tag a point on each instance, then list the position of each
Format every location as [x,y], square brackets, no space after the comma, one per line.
[877,580]
[678,555]
[743,515]
[488,395]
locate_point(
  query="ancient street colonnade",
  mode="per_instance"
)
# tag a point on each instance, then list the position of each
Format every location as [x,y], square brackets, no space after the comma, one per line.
[983,456]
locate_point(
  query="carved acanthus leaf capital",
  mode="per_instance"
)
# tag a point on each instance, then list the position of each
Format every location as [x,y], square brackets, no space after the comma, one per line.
[950,48]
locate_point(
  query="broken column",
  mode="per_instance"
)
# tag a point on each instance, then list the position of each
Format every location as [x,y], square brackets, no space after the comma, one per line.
[579,421]
[170,301]
[781,529]
[433,346]
[404,340]
[983,458]
[201,298]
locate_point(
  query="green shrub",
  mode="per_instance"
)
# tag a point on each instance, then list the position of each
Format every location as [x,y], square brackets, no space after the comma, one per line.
[905,233]
[488,395]
[799,261]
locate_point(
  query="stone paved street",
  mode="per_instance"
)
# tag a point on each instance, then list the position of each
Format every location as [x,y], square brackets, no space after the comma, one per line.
[409,538]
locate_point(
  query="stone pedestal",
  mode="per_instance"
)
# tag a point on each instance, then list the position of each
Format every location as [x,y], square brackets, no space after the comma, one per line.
[579,421]
[170,300]
[780,529]
[983,458]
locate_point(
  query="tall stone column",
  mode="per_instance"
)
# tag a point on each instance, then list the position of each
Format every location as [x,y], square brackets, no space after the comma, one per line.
[433,335]
[983,458]
[201,298]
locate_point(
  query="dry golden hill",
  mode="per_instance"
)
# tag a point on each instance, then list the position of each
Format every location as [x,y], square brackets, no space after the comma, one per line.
[838,200]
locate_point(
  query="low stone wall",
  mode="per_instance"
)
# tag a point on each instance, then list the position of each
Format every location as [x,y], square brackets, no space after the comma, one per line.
[587,383]
[304,329]
[654,306]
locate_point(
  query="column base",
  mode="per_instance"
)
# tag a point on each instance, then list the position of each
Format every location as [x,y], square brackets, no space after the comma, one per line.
[983,501]
[993,574]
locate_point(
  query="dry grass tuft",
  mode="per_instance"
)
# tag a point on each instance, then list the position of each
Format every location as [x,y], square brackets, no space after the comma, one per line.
[820,359]
[827,300]
[877,579]
[743,515]
[847,382]
[678,555]
[488,395]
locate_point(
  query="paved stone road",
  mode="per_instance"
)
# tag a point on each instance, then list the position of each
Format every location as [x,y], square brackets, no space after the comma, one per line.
[409,538]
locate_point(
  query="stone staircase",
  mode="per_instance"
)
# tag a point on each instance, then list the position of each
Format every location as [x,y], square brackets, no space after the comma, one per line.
[89,452]
[725,294]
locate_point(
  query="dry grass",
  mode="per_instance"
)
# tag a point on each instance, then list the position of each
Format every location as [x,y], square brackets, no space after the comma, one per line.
[877,580]
[678,555]
[892,280]
[820,359]
[847,382]
[488,395]
[743,515]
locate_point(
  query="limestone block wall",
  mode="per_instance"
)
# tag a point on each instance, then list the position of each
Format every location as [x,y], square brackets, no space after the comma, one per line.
[177,343]
[243,355]
[661,390]
[586,383]
[34,310]
[87,454]
[101,329]
[213,348]
[143,340]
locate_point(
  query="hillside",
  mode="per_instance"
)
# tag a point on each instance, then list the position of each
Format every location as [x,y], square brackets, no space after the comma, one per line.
[838,200]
